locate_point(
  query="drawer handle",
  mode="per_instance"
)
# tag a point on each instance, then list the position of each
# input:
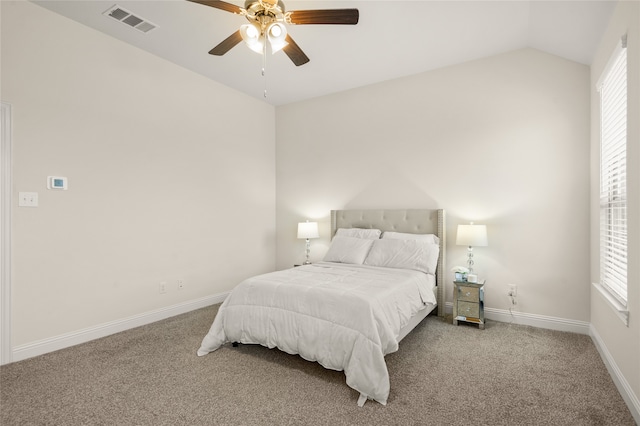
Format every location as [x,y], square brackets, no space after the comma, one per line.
[468,294]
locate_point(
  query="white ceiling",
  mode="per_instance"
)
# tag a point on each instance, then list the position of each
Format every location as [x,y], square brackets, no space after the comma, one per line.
[393,39]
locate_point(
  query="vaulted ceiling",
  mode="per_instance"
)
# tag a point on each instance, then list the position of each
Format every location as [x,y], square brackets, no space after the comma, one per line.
[392,39]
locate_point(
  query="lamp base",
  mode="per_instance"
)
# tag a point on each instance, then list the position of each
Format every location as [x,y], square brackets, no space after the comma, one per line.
[308,250]
[470,259]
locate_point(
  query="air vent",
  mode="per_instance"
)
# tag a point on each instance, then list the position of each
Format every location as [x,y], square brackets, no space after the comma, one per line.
[128,18]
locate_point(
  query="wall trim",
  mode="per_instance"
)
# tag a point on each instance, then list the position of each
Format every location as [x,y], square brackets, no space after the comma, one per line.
[621,311]
[539,321]
[66,340]
[533,320]
[5,232]
[621,383]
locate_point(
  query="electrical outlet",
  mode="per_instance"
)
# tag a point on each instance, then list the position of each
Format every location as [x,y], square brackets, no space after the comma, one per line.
[513,290]
[162,288]
[180,284]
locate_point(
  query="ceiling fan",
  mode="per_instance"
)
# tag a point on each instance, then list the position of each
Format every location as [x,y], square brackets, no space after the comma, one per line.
[267,19]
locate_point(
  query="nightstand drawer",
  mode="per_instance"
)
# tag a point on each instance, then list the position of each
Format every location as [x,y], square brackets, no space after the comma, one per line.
[467,309]
[468,294]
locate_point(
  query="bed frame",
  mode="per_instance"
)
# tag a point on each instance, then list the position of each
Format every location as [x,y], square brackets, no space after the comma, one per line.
[413,221]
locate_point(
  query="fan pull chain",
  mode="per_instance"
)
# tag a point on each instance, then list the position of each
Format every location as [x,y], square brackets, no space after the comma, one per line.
[264,67]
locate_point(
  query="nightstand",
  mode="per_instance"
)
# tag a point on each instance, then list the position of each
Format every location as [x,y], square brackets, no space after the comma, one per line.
[468,303]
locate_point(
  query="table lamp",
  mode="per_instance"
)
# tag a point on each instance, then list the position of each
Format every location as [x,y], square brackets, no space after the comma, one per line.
[308,230]
[471,236]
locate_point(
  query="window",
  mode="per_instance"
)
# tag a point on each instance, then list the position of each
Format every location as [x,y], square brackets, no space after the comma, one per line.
[613,175]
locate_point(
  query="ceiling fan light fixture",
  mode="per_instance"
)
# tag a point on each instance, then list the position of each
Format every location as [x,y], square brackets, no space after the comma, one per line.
[267,19]
[250,32]
[257,46]
[277,35]
[252,36]
[277,30]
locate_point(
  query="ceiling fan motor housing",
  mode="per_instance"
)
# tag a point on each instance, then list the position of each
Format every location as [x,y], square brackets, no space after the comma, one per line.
[267,4]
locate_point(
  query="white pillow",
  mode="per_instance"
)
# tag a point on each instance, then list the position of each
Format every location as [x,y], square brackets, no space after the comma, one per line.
[348,250]
[432,238]
[371,234]
[404,254]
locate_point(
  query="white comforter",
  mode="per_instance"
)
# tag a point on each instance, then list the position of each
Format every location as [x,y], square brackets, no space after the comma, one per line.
[345,317]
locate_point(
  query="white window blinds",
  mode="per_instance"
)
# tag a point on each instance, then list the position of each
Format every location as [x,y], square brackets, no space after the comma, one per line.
[613,175]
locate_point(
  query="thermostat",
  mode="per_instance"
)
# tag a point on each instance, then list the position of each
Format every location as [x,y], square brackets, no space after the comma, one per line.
[56,182]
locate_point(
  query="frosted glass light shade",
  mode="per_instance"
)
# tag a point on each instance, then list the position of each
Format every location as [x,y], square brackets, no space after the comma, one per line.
[277,35]
[251,34]
[472,235]
[308,230]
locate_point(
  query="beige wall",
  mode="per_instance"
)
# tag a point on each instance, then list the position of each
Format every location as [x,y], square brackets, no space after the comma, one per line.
[165,182]
[503,141]
[622,342]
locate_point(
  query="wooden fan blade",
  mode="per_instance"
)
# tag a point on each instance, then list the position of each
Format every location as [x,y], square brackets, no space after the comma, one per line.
[294,52]
[227,44]
[326,16]
[223,5]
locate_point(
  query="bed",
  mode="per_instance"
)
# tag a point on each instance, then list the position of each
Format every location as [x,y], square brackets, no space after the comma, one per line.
[382,275]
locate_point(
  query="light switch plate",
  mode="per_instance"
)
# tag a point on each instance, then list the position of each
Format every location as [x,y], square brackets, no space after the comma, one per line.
[28,199]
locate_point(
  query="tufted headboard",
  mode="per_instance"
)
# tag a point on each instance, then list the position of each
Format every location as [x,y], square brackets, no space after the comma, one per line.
[414,221]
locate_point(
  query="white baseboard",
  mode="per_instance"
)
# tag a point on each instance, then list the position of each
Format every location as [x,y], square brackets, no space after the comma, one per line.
[540,321]
[85,335]
[621,383]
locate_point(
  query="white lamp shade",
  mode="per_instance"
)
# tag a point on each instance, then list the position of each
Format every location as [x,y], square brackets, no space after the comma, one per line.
[252,36]
[472,235]
[308,230]
[277,35]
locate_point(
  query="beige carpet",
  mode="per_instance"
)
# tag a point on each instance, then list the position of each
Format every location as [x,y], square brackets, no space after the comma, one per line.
[442,375]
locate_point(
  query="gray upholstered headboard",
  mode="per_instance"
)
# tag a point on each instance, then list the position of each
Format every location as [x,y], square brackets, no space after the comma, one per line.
[414,221]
